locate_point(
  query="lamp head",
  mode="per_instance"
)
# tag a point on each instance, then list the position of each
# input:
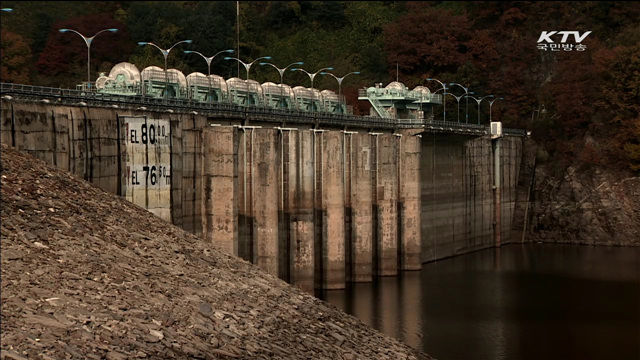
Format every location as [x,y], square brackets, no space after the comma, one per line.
[267,57]
[7,9]
[329,68]
[113,30]
[263,63]
[229,51]
[299,63]
[294,69]
[188,41]
[429,79]
[357,72]
[187,51]
[227,58]
[63,30]
[471,92]
[142,43]
[501,98]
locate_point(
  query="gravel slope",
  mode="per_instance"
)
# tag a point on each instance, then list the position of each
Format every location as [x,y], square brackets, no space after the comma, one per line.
[87,275]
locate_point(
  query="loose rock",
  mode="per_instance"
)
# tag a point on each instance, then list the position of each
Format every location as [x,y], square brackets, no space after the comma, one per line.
[113,281]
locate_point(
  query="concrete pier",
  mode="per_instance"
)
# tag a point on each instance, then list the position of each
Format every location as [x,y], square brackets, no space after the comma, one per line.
[409,230]
[361,208]
[265,200]
[221,188]
[331,183]
[387,205]
[302,211]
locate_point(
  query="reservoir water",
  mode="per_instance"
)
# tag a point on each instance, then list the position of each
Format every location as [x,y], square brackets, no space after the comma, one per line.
[533,301]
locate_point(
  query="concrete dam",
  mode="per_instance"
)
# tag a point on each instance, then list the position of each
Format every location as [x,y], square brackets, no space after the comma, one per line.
[318,205]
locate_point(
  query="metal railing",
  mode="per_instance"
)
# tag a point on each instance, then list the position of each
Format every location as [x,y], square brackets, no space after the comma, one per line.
[234,111]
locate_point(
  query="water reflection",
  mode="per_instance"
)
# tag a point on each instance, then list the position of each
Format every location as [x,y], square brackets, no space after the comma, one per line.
[519,302]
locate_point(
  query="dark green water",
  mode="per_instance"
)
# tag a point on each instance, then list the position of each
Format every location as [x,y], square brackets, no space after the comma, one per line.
[538,301]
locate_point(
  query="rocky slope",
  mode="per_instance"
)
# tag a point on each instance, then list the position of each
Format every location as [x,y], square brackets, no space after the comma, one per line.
[595,206]
[87,275]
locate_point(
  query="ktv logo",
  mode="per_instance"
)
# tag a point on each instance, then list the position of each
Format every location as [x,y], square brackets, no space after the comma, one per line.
[545,42]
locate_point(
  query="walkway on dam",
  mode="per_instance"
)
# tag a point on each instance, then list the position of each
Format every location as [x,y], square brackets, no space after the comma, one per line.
[246,114]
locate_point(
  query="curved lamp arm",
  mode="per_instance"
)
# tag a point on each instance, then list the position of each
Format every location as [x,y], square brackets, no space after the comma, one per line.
[466,89]
[210,58]
[474,98]
[164,52]
[494,100]
[87,40]
[281,71]
[340,79]
[303,70]
[311,76]
[236,59]
[247,67]
[179,42]
[264,57]
[457,97]
[439,82]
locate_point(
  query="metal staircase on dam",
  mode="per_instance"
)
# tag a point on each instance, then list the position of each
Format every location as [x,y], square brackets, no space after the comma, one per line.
[377,105]
[71,97]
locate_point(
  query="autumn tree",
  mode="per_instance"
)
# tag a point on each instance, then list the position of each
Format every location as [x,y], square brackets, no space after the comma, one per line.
[427,40]
[15,58]
[619,101]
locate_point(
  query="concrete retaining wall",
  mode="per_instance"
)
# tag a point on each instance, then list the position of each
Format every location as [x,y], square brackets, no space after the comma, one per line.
[458,211]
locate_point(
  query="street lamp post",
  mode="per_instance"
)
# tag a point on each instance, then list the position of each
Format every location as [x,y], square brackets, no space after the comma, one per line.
[247,66]
[466,110]
[88,40]
[458,100]
[479,100]
[165,53]
[433,93]
[444,99]
[340,83]
[312,76]
[491,104]
[281,72]
[339,79]
[208,60]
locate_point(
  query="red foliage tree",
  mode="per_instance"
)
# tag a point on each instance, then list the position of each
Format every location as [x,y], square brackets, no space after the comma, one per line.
[429,40]
[573,87]
[619,100]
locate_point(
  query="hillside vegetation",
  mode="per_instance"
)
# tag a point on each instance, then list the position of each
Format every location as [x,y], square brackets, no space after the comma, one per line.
[489,47]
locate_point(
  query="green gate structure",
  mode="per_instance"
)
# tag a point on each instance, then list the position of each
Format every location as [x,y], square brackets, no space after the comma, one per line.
[396,101]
